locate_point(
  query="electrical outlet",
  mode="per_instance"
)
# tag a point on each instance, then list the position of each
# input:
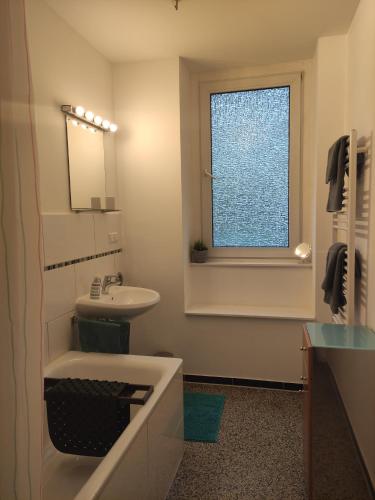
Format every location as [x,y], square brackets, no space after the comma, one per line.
[113,237]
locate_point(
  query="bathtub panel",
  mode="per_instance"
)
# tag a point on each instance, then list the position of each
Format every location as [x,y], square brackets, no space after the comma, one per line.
[130,479]
[64,475]
[165,440]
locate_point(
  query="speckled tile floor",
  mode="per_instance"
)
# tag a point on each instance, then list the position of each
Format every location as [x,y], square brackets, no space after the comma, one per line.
[259,452]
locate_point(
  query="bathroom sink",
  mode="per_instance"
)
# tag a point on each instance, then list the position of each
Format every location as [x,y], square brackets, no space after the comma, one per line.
[120,302]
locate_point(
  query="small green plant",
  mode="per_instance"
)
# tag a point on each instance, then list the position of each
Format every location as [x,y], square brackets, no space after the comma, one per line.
[199,246]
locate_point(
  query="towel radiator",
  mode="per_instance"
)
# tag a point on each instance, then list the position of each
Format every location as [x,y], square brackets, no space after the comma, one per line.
[345,227]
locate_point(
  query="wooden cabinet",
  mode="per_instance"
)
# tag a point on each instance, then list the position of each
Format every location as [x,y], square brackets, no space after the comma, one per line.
[333,466]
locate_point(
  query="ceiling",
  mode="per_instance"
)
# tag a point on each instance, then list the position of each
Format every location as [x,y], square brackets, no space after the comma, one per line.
[210,33]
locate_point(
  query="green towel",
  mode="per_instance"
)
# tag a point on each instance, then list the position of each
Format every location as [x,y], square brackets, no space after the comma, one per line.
[104,336]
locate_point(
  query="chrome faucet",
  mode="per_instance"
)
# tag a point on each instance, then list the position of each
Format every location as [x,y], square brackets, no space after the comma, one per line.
[110,280]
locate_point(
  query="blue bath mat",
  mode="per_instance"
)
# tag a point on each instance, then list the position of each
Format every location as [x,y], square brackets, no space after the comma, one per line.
[202,415]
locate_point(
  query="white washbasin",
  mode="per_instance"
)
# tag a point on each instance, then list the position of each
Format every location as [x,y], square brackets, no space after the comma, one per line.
[121,301]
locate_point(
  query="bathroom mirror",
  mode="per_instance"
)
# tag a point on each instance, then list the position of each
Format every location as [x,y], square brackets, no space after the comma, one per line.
[86,165]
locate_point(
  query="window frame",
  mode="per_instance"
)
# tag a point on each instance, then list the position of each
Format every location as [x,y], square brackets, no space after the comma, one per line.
[294,82]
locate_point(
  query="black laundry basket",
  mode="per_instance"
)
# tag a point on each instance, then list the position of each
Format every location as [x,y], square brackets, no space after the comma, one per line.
[86,417]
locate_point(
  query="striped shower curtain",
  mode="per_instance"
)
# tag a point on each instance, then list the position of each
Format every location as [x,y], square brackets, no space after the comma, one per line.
[21,304]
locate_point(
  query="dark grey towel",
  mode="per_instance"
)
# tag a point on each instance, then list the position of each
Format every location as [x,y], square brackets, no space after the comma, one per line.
[104,336]
[333,281]
[336,173]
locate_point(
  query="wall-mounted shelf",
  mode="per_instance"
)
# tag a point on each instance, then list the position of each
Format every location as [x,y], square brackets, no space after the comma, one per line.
[253,263]
[245,311]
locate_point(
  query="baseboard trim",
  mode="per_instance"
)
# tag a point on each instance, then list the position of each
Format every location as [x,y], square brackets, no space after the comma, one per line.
[243,382]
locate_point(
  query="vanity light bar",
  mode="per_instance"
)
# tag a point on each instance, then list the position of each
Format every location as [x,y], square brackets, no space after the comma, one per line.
[88,117]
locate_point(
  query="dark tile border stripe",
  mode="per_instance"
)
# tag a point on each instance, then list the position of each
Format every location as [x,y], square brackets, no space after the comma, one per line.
[243,382]
[81,259]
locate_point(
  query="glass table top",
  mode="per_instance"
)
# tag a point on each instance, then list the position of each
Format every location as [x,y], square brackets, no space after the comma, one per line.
[332,336]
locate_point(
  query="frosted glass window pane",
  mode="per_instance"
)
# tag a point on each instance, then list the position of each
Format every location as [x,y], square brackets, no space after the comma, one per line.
[250,165]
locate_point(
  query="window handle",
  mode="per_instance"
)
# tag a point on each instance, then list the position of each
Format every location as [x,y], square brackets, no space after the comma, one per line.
[208,174]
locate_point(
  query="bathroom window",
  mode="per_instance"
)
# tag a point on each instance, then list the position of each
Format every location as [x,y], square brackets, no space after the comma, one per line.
[250,166]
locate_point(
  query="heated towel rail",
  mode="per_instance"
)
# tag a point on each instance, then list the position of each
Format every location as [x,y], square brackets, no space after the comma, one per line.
[345,227]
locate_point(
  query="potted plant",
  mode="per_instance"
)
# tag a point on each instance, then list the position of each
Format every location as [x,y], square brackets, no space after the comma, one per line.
[199,252]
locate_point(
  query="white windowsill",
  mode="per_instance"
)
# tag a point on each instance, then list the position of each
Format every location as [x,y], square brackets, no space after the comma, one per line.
[253,263]
[250,311]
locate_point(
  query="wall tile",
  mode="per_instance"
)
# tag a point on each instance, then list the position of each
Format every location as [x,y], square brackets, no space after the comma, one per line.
[60,335]
[105,224]
[60,291]
[86,271]
[67,237]
[106,265]
[118,261]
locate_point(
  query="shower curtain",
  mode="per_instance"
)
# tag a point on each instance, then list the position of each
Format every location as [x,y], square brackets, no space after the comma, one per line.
[21,264]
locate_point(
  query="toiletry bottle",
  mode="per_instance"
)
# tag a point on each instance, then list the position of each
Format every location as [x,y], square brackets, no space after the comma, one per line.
[95,288]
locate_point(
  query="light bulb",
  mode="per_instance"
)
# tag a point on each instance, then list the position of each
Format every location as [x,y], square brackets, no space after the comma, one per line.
[83,126]
[98,120]
[106,124]
[89,115]
[74,123]
[113,127]
[79,110]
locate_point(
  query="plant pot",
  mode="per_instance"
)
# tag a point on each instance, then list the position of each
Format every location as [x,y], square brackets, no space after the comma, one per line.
[199,256]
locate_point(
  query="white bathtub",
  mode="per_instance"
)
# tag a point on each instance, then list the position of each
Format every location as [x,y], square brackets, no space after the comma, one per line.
[144,460]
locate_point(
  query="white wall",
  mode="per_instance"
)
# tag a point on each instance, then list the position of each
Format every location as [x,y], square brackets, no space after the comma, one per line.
[67,70]
[330,86]
[149,159]
[146,97]
[346,100]
[360,114]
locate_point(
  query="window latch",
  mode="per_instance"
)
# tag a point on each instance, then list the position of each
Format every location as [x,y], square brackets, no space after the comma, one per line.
[208,174]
